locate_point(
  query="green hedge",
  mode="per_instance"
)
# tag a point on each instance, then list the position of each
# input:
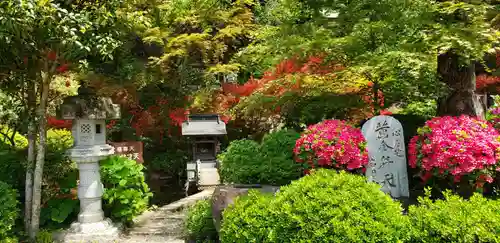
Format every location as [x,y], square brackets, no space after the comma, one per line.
[199,224]
[269,163]
[9,211]
[325,206]
[456,220]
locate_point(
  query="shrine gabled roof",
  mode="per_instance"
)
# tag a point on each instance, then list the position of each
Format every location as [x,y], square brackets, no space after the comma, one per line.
[203,125]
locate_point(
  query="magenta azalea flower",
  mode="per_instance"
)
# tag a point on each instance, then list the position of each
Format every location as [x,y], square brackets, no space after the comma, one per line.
[332,144]
[455,146]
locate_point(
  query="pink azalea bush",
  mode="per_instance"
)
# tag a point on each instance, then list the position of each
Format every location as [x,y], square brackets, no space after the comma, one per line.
[456,146]
[332,144]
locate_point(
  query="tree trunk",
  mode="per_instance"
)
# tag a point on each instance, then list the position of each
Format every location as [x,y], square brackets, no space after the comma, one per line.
[41,118]
[40,159]
[28,189]
[461,79]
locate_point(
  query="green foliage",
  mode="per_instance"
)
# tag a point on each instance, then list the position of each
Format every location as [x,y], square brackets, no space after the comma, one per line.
[9,240]
[126,193]
[269,163]
[56,159]
[425,109]
[325,206]
[59,211]
[279,143]
[59,139]
[250,219]
[392,43]
[300,111]
[60,204]
[44,236]
[199,223]
[8,209]
[18,141]
[196,40]
[72,33]
[240,164]
[11,157]
[12,169]
[456,220]
[172,163]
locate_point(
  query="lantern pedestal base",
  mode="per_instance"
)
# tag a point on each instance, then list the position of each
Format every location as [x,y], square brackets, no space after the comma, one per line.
[103,231]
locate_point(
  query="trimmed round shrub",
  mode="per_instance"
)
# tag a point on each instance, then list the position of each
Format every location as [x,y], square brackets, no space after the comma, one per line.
[199,224]
[326,206]
[332,144]
[455,147]
[126,194]
[269,163]
[8,209]
[456,220]
[276,151]
[279,143]
[250,220]
[240,163]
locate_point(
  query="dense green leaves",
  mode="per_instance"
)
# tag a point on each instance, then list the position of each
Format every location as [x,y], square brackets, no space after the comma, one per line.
[199,223]
[456,220]
[126,193]
[204,34]
[268,163]
[9,210]
[326,206]
[393,43]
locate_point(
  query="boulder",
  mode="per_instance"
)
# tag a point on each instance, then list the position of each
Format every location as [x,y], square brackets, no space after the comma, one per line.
[224,196]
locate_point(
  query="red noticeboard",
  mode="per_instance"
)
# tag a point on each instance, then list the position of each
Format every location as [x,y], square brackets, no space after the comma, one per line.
[130,150]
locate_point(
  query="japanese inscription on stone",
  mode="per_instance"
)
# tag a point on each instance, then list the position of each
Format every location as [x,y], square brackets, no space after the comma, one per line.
[130,150]
[387,157]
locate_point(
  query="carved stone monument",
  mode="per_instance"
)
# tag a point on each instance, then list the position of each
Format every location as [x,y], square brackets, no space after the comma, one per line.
[89,113]
[386,151]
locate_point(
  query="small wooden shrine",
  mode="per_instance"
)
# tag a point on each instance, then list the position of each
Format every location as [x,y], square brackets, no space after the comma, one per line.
[206,130]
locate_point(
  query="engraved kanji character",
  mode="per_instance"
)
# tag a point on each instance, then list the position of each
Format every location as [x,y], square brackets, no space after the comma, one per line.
[382,130]
[371,163]
[389,179]
[385,160]
[396,133]
[398,151]
[384,147]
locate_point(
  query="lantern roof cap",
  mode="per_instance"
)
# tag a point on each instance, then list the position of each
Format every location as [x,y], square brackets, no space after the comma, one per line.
[87,105]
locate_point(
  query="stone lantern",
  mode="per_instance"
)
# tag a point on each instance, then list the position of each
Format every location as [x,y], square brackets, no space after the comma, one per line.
[89,114]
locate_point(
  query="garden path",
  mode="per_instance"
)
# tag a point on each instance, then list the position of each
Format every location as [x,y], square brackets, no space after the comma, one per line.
[165,224]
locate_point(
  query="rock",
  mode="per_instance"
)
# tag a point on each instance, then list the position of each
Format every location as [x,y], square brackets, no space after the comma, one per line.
[224,196]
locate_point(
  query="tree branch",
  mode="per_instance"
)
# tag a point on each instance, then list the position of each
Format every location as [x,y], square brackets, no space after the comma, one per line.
[7,137]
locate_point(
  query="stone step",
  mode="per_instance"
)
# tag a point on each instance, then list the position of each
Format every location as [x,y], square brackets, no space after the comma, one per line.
[165,224]
[156,233]
[150,239]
